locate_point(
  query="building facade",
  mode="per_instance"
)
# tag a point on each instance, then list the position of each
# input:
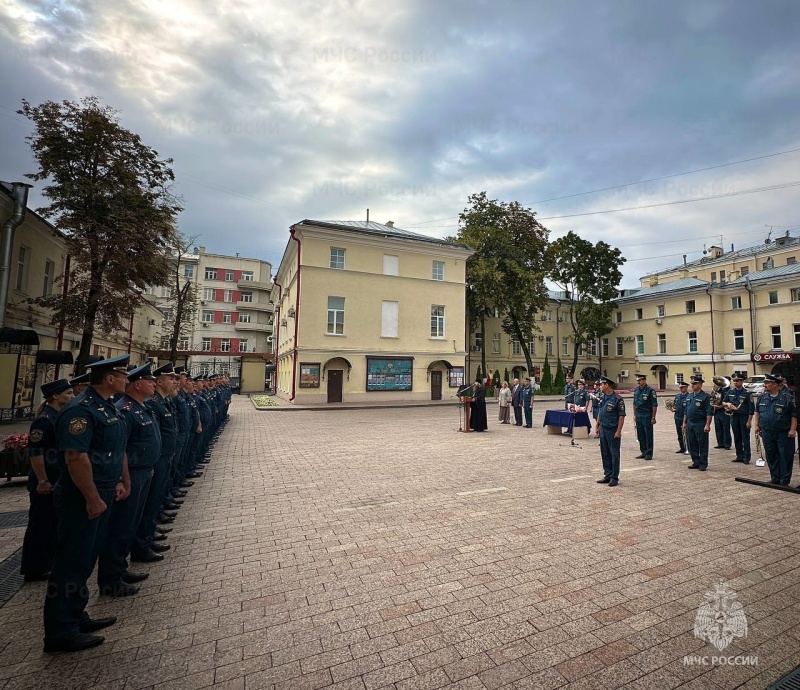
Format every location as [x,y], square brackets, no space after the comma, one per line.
[369,312]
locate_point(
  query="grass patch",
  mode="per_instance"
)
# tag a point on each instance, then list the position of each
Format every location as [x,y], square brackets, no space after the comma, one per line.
[262,401]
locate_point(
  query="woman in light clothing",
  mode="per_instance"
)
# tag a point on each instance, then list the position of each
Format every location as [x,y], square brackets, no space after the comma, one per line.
[504,400]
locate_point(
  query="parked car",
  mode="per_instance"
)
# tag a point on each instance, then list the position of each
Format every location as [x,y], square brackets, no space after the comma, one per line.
[754,384]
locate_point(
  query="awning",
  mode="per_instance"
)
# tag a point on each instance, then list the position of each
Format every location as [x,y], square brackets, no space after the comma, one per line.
[440,361]
[269,368]
[343,359]
[659,367]
[19,336]
[54,357]
[95,358]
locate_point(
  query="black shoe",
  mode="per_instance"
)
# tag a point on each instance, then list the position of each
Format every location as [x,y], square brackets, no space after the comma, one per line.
[179,494]
[163,530]
[165,520]
[702,469]
[119,590]
[719,446]
[147,557]
[186,484]
[745,462]
[727,447]
[694,467]
[36,578]
[737,460]
[130,578]
[158,548]
[168,515]
[194,475]
[648,457]
[74,644]
[172,506]
[95,624]
[682,451]
[640,457]
[159,537]
[604,480]
[613,482]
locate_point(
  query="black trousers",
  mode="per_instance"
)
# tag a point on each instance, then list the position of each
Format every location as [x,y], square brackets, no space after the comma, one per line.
[41,535]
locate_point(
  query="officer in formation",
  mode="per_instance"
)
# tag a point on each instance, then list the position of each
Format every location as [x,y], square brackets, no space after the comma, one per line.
[569,393]
[722,422]
[581,396]
[610,420]
[679,414]
[697,423]
[527,403]
[107,459]
[776,420]
[645,406]
[739,404]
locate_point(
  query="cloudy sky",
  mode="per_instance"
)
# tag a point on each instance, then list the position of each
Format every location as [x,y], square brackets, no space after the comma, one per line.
[279,111]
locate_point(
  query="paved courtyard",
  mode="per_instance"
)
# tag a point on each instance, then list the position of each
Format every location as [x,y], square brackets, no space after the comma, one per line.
[368,549]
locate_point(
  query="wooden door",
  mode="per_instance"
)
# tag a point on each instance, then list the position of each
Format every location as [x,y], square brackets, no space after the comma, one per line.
[335,377]
[436,385]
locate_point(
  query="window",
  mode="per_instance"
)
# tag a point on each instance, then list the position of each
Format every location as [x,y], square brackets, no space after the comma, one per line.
[229,295]
[495,343]
[49,275]
[618,317]
[211,274]
[690,306]
[769,263]
[183,344]
[243,345]
[437,321]
[208,294]
[620,347]
[244,317]
[228,274]
[336,314]
[796,336]
[208,316]
[692,341]
[149,290]
[246,296]
[776,337]
[548,344]
[23,259]
[722,276]
[227,317]
[791,260]
[548,314]
[389,317]
[662,343]
[438,270]
[565,345]
[532,345]
[745,270]
[773,297]
[515,347]
[337,258]
[391,265]
[205,346]
[638,315]
[736,302]
[604,347]
[639,344]
[713,276]
[738,339]
[479,342]
[661,310]
[247,275]
[678,378]
[795,294]
[593,347]
[165,342]
[168,315]
[225,345]
[188,270]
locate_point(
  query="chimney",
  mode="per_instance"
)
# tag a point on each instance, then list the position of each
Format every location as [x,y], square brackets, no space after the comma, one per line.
[202,250]
[715,251]
[389,223]
[654,280]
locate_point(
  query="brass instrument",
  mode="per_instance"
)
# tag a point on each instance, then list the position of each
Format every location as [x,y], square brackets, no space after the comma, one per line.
[720,383]
[730,409]
[670,404]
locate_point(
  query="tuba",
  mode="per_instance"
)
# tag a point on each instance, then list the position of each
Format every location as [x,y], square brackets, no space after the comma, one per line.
[670,404]
[720,383]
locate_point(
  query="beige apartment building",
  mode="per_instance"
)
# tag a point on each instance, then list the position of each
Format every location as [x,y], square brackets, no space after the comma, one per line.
[369,312]
[736,311]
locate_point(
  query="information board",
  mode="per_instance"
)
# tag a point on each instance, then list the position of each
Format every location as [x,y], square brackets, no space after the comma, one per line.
[390,373]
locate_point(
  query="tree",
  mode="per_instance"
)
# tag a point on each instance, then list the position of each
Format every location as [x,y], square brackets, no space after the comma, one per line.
[496,378]
[590,275]
[560,380]
[508,268]
[479,374]
[505,376]
[547,377]
[109,195]
[182,305]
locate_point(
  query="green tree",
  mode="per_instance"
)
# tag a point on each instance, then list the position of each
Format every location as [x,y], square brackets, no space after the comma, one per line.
[181,307]
[590,275]
[505,376]
[109,194]
[560,380]
[479,374]
[508,268]
[547,377]
[496,378]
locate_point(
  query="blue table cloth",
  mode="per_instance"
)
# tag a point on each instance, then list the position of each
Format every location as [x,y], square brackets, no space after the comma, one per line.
[566,419]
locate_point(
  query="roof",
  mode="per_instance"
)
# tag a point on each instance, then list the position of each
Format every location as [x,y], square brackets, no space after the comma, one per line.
[668,286]
[776,272]
[372,228]
[9,192]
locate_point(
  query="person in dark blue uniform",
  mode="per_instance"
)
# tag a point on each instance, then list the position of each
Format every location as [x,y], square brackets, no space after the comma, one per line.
[183,419]
[596,397]
[739,403]
[527,403]
[645,406]
[195,429]
[91,445]
[569,392]
[776,421]
[142,449]
[80,383]
[610,420]
[697,422]
[679,413]
[722,422]
[39,544]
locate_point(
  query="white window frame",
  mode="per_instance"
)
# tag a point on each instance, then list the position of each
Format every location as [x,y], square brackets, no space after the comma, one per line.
[248,276]
[565,345]
[661,311]
[227,317]
[770,295]
[49,277]
[604,347]
[795,293]
[691,306]
[638,314]
[437,322]
[640,344]
[211,273]
[796,329]
[738,334]
[335,322]
[736,302]
[775,338]
[23,263]
[620,349]
[225,345]
[692,339]
[205,345]
[516,348]
[548,345]
[246,297]
[228,275]
[188,270]
[228,296]
[437,270]
[245,316]
[337,260]
[495,343]
[243,345]
[662,343]
[209,294]
[207,316]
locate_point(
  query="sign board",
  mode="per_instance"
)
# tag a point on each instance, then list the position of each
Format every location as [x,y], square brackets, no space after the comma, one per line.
[772,357]
[309,375]
[456,375]
[390,374]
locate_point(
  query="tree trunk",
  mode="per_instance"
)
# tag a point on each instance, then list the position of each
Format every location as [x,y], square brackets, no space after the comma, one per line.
[523,344]
[88,331]
[483,344]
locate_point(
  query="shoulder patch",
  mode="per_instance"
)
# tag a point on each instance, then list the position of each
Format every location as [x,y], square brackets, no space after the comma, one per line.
[36,435]
[77,426]
[128,406]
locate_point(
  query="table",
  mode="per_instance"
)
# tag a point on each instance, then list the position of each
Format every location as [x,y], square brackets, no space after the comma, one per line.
[556,420]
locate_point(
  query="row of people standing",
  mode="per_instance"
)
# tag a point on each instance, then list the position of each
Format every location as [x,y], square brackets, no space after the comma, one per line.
[107,467]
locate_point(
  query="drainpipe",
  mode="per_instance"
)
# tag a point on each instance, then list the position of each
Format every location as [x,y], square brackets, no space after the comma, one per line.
[711,312]
[752,321]
[296,317]
[276,328]
[19,194]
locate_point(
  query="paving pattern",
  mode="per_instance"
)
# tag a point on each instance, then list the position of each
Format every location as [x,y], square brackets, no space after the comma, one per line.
[370,549]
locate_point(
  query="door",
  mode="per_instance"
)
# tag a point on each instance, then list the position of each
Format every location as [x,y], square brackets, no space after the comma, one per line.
[436,385]
[335,385]
[662,379]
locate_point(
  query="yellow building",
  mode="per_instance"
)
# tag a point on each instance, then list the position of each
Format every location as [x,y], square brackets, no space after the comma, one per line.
[369,312]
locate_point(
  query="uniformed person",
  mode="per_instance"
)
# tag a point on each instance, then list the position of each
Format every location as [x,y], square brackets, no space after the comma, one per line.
[80,383]
[610,420]
[196,429]
[142,449]
[569,393]
[91,445]
[679,413]
[183,419]
[697,422]
[581,396]
[722,422]
[39,544]
[645,406]
[596,397]
[740,402]
[776,421]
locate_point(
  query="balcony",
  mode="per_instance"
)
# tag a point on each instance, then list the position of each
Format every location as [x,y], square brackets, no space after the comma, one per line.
[253,285]
[258,327]
[256,306]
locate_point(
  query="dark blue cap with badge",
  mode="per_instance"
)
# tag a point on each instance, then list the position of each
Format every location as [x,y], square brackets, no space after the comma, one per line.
[167,369]
[55,387]
[113,364]
[683,384]
[737,377]
[640,377]
[698,379]
[80,380]
[773,378]
[605,379]
[180,370]
[142,373]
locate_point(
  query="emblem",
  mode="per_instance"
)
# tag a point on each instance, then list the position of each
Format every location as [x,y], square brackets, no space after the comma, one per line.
[698,403]
[77,426]
[720,618]
[36,436]
[778,409]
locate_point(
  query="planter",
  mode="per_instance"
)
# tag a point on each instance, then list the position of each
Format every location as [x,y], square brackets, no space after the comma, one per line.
[14,463]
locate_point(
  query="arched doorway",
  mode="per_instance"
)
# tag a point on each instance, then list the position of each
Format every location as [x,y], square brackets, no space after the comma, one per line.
[335,370]
[590,374]
[660,372]
[519,372]
[436,377]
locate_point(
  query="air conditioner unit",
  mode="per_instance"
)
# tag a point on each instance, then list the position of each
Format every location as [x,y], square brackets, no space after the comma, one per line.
[284,322]
[151,322]
[695,370]
[617,323]
[562,319]
[659,321]
[541,337]
[203,302]
[290,312]
[205,325]
[543,317]
[624,373]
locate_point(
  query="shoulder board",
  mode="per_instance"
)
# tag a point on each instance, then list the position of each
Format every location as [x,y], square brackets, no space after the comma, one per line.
[86,402]
[128,406]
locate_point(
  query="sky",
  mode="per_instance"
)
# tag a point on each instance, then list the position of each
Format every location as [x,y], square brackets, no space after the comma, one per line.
[279,111]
